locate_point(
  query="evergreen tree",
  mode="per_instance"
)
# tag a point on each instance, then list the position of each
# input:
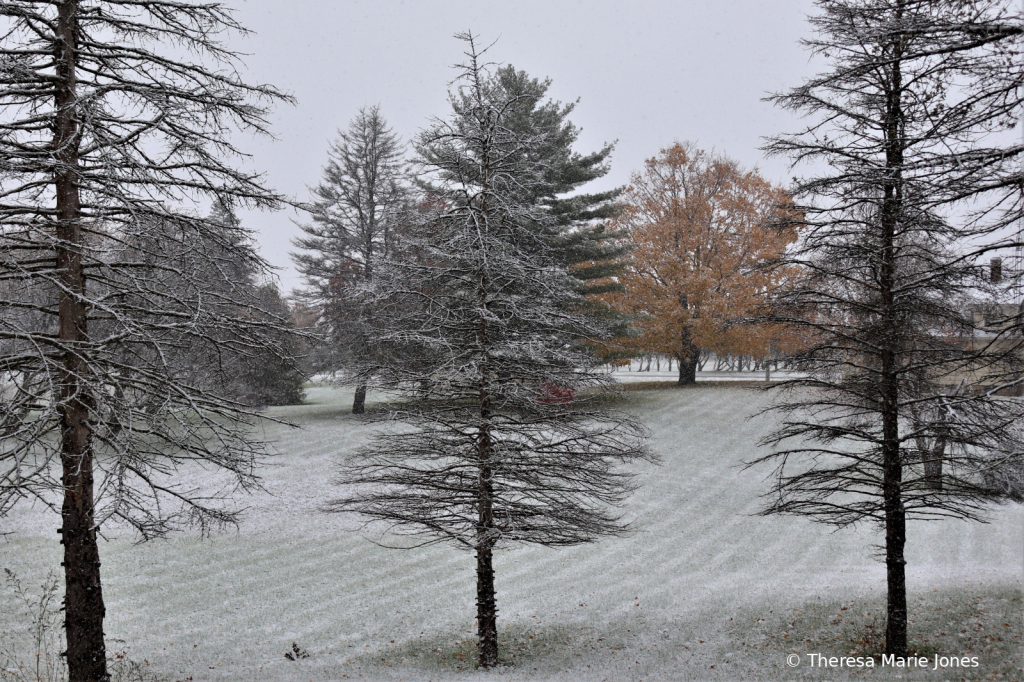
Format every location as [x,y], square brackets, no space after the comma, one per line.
[357,211]
[578,226]
[514,445]
[563,173]
[271,376]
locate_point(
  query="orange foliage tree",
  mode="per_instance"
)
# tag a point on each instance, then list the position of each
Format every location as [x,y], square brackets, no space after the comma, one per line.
[700,228]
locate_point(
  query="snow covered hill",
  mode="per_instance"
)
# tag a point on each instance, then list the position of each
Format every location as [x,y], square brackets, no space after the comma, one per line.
[703,590]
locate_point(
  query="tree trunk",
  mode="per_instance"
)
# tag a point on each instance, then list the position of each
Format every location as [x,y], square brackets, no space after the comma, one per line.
[895,563]
[688,356]
[687,369]
[933,464]
[83,601]
[892,466]
[359,402]
[931,455]
[892,489]
[486,607]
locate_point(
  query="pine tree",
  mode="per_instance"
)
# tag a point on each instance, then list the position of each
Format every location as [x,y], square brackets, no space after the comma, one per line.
[271,376]
[357,212]
[513,444]
[578,226]
[254,376]
[577,221]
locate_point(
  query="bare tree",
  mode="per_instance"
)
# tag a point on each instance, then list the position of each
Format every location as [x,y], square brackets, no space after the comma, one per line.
[357,210]
[898,417]
[221,361]
[513,444]
[104,144]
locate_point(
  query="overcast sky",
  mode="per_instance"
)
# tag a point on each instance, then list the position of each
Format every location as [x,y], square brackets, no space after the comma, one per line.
[646,73]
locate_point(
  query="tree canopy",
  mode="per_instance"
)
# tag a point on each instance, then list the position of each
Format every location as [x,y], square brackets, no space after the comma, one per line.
[701,232]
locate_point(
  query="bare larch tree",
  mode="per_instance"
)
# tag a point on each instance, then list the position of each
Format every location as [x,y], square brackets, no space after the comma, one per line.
[899,415]
[107,144]
[512,443]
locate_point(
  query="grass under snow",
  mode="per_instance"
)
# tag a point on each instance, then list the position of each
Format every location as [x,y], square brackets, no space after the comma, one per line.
[704,590]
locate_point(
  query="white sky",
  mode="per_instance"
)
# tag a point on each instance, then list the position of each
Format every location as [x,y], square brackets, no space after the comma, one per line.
[647,73]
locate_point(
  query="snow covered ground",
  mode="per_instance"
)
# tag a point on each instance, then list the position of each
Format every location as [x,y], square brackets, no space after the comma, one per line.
[703,590]
[634,376]
[633,373]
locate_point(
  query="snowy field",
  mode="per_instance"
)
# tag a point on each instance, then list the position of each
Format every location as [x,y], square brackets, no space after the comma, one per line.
[704,590]
[632,374]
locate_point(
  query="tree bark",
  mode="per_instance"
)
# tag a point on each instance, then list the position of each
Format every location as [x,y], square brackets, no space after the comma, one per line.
[895,562]
[933,464]
[486,601]
[931,456]
[688,357]
[486,607]
[687,369]
[359,402]
[83,602]
[892,466]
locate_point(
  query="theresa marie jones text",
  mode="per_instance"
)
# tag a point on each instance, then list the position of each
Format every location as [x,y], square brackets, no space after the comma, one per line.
[936,662]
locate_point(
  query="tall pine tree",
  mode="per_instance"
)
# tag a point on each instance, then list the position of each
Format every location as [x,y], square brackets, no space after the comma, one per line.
[357,212]
[514,445]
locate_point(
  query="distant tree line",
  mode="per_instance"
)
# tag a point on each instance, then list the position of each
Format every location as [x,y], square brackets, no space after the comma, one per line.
[675,262]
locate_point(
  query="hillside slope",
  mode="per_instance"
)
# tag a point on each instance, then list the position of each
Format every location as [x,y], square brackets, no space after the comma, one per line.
[704,589]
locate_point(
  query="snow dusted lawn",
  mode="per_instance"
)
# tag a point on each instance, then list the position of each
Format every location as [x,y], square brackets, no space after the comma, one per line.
[629,376]
[704,590]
